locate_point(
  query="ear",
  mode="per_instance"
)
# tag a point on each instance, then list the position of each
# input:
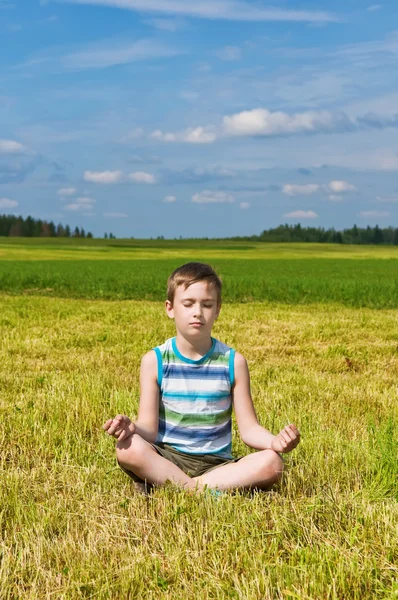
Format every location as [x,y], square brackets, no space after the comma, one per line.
[169,309]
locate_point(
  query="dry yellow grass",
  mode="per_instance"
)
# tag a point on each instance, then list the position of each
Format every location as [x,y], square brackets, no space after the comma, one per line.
[70,525]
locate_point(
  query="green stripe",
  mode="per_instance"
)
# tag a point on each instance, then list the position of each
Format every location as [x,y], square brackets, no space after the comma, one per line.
[195,419]
[217,359]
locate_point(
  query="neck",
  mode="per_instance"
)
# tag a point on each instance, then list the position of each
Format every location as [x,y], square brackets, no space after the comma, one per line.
[193,350]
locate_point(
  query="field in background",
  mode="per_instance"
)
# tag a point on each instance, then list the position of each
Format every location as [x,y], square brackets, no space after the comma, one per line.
[360,276]
[71,528]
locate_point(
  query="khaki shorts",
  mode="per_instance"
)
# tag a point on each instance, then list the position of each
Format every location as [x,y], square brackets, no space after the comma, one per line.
[194,465]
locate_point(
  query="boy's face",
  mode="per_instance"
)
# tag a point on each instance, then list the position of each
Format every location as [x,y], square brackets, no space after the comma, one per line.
[194,309]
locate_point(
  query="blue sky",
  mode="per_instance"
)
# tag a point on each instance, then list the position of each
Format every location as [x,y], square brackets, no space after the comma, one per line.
[206,118]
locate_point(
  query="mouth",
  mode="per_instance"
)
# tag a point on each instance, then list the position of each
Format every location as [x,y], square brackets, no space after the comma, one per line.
[196,324]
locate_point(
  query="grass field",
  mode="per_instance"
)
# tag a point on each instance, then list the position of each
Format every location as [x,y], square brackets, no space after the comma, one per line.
[359,276]
[72,528]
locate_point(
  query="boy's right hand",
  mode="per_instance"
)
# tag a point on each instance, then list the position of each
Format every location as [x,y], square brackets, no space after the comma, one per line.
[121,427]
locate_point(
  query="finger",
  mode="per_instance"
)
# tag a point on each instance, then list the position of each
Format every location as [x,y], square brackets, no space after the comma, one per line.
[292,433]
[107,424]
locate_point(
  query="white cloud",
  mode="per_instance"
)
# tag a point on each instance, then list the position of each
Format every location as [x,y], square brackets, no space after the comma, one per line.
[301,214]
[244,205]
[334,198]
[374,7]
[209,197]
[373,214]
[230,10]
[7,203]
[263,122]
[103,176]
[341,186]
[12,147]
[82,204]
[387,199]
[141,177]
[196,135]
[66,191]
[300,190]
[115,215]
[229,53]
[169,199]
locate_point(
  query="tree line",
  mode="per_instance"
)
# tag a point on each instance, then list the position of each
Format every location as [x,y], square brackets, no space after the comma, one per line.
[12,226]
[353,235]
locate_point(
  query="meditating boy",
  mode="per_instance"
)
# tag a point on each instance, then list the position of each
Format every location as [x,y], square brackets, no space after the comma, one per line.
[189,385]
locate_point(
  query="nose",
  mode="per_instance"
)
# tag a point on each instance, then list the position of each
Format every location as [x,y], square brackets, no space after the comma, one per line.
[197,310]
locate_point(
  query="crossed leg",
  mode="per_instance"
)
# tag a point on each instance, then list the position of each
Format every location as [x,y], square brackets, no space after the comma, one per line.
[258,470]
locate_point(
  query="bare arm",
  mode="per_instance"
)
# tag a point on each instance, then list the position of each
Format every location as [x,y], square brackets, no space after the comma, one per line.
[146,425]
[251,432]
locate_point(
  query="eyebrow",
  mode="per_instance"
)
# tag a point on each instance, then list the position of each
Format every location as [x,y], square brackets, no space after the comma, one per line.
[193,300]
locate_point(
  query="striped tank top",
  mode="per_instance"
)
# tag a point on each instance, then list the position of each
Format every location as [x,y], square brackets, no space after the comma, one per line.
[195,399]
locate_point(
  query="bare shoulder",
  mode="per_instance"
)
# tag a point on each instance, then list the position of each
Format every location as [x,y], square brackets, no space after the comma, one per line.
[149,363]
[240,363]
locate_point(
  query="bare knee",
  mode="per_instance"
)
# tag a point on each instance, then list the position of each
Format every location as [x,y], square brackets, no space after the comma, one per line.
[131,452]
[272,467]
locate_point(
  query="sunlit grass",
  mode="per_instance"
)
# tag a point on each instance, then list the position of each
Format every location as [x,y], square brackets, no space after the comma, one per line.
[70,525]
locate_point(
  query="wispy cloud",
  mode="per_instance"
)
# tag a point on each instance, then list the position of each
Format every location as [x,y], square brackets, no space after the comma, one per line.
[244,205]
[169,199]
[229,53]
[229,10]
[261,121]
[142,177]
[300,190]
[301,214]
[84,205]
[103,177]
[7,203]
[111,54]
[66,191]
[195,135]
[211,197]
[12,147]
[341,186]
[374,7]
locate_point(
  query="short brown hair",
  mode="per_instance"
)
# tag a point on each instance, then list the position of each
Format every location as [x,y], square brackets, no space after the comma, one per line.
[191,273]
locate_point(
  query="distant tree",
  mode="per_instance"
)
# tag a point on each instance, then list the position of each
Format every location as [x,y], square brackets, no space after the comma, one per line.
[60,230]
[89,234]
[82,233]
[378,237]
[395,239]
[67,231]
[105,236]
[76,232]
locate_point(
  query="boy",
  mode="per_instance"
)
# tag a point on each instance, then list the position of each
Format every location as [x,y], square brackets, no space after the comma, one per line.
[188,386]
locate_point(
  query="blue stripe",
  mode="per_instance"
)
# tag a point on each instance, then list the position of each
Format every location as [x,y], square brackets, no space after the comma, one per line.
[190,433]
[232,366]
[225,450]
[193,396]
[160,365]
[189,360]
[180,372]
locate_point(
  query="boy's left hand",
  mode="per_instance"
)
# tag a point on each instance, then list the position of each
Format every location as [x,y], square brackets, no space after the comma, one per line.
[286,440]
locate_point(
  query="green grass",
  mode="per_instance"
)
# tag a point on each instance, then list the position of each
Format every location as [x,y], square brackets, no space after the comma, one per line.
[70,526]
[359,276]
